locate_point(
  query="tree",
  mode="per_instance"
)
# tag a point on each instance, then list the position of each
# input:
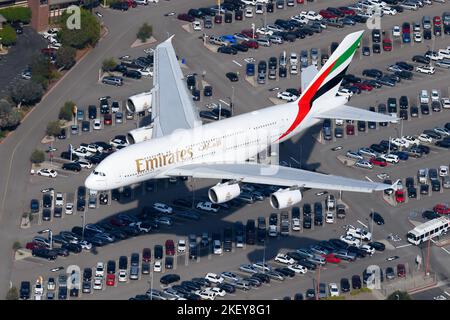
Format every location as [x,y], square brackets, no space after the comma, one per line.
[145,32]
[13,294]
[65,57]
[42,70]
[38,156]
[109,64]
[9,117]
[88,34]
[16,246]
[53,128]
[66,111]
[399,295]
[8,36]
[27,93]
[14,14]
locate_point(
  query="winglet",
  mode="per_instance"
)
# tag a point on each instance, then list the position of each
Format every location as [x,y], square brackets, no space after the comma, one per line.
[394,186]
[170,38]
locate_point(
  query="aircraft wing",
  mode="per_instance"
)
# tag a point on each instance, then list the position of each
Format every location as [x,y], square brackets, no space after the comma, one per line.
[172,105]
[351,113]
[275,175]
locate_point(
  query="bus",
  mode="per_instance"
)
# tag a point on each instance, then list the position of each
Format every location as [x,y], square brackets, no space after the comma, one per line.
[429,230]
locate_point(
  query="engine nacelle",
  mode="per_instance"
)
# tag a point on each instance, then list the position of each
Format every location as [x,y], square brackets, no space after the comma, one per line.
[140,134]
[139,102]
[223,192]
[285,198]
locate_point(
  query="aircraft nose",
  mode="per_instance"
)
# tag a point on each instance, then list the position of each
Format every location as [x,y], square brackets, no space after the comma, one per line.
[91,183]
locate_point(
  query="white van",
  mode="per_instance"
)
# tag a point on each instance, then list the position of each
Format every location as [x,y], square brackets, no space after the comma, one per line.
[217,247]
[424,97]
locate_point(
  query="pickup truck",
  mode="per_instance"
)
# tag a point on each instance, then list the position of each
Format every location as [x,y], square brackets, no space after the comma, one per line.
[207,206]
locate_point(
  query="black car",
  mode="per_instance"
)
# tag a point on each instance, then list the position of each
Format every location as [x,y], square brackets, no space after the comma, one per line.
[57,212]
[169,278]
[404,65]
[227,287]
[103,198]
[412,192]
[25,290]
[62,134]
[356,282]
[207,91]
[310,294]
[87,274]
[430,214]
[208,115]
[223,112]
[81,204]
[72,247]
[376,48]
[72,166]
[132,74]
[421,59]
[377,218]
[424,108]
[158,252]
[239,47]
[345,285]
[47,200]
[232,76]
[195,94]
[372,73]
[227,50]
[44,253]
[168,263]
[285,271]
[282,72]
[34,205]
[407,75]
[123,6]
[377,245]
[81,192]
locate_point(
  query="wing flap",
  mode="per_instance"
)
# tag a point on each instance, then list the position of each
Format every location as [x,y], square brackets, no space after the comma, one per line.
[351,113]
[275,175]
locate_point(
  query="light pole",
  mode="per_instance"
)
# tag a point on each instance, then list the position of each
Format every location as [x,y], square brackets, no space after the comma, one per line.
[253,30]
[49,231]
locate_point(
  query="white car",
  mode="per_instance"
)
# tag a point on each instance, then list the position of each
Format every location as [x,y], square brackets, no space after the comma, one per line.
[443,171]
[181,246]
[219,292]
[100,270]
[47,173]
[396,31]
[123,277]
[433,55]
[146,72]
[311,15]
[426,69]
[442,131]
[197,25]
[425,138]
[329,218]
[214,278]
[294,69]
[264,31]
[98,283]
[362,234]
[116,143]
[97,124]
[284,258]
[286,96]
[444,53]
[274,28]
[51,285]
[390,158]
[162,207]
[417,37]
[157,266]
[293,58]
[435,95]
[298,268]
[389,11]
[296,225]
[368,249]
[364,164]
[206,294]
[69,208]
[59,199]
[351,240]
[412,140]
[445,103]
[333,289]
[85,245]
[84,163]
[345,93]
[207,206]
[301,19]
[400,142]
[249,12]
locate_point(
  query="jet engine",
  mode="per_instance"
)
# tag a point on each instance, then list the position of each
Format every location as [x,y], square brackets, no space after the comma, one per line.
[140,134]
[223,192]
[139,102]
[284,198]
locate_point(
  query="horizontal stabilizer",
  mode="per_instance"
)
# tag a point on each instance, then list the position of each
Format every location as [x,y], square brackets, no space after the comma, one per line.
[351,113]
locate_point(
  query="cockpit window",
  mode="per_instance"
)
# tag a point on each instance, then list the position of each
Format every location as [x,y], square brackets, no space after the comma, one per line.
[98,173]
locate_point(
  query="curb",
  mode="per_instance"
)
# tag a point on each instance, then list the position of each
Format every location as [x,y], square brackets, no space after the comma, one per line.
[424,288]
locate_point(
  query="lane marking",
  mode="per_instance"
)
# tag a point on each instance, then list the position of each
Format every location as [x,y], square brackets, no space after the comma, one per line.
[404,246]
[240,65]
[368,178]
[224,102]
[362,224]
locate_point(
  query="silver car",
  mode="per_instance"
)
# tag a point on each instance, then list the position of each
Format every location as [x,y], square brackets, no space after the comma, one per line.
[364,164]
[367,152]
[248,268]
[354,155]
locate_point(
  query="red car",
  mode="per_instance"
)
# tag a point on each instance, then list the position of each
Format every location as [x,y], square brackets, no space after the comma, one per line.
[401,270]
[118,222]
[387,44]
[331,258]
[363,86]
[186,17]
[33,245]
[251,44]
[350,130]
[107,119]
[300,1]
[400,196]
[327,14]
[218,19]
[170,248]
[347,11]
[146,255]
[378,161]
[437,21]
[441,209]
[131,3]
[249,33]
[110,280]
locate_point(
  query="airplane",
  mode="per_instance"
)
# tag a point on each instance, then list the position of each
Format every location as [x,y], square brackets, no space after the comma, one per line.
[181,146]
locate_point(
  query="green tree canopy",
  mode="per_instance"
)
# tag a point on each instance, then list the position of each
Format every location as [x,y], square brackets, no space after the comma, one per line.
[8,35]
[9,117]
[88,34]
[65,57]
[13,14]
[27,93]
[41,68]
[109,64]
[13,294]
[38,156]
[65,113]
[53,128]
[145,32]
[399,295]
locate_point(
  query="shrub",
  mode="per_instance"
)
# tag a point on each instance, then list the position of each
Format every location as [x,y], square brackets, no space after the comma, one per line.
[145,32]
[38,156]
[109,64]
[16,246]
[65,113]
[13,294]
[399,295]
[53,128]
[65,57]
[8,36]
[20,14]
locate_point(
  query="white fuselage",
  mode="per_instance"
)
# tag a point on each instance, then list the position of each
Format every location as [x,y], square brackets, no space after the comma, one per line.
[230,140]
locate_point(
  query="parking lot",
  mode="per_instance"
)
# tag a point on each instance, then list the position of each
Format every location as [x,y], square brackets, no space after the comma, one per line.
[307,150]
